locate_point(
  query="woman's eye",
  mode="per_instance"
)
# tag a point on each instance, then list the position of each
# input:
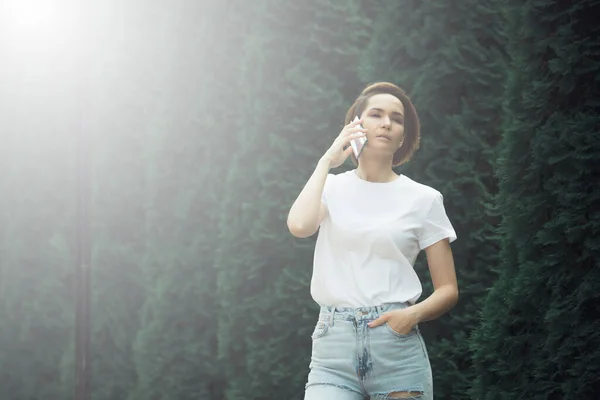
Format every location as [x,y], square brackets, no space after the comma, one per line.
[375,115]
[399,121]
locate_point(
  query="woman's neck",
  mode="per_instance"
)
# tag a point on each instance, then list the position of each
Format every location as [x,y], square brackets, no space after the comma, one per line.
[372,171]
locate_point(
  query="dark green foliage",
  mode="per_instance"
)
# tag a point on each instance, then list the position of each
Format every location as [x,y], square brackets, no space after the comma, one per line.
[539,337]
[449,58]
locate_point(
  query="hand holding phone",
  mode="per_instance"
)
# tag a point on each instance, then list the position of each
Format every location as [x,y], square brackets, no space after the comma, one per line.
[358,144]
[342,146]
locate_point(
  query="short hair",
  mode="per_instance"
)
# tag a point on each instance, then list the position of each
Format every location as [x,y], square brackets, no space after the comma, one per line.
[412,135]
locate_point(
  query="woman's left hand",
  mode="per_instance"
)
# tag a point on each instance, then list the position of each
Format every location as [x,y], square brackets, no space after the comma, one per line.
[401,320]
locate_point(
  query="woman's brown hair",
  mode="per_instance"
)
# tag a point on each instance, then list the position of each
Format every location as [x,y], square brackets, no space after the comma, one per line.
[412,135]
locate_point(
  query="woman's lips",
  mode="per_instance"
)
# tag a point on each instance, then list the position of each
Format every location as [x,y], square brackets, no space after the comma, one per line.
[383,137]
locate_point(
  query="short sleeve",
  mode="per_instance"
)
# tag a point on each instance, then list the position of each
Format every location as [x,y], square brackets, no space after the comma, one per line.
[436,225]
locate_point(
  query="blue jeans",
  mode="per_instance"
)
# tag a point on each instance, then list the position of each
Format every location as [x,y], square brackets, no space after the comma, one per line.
[351,361]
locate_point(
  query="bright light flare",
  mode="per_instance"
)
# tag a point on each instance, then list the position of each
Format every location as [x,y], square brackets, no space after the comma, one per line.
[41,64]
[38,25]
[27,15]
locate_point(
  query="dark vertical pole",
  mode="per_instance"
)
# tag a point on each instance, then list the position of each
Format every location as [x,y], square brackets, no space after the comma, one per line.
[83,362]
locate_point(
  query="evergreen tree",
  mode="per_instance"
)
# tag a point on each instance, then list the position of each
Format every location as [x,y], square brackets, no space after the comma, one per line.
[297,63]
[188,146]
[117,123]
[539,337]
[450,60]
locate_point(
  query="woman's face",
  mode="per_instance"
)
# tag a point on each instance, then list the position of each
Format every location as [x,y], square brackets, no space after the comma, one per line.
[384,119]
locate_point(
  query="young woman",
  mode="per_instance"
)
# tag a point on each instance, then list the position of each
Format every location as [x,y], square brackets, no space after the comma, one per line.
[372,224]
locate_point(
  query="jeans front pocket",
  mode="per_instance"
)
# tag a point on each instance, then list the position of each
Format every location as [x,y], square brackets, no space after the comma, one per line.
[320,329]
[412,332]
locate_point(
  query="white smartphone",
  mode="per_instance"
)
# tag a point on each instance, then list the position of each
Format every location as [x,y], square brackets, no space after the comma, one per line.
[358,144]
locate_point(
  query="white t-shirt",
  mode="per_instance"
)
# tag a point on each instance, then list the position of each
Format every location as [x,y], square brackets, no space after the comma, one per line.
[368,243]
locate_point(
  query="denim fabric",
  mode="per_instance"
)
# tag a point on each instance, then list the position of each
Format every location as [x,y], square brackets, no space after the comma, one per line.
[351,361]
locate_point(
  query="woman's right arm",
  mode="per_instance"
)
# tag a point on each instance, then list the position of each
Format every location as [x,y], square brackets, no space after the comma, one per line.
[308,211]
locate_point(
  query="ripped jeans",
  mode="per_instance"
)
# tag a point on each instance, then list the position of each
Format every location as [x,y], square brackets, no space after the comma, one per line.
[351,361]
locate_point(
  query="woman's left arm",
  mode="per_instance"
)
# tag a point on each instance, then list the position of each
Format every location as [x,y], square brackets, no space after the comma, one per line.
[443,275]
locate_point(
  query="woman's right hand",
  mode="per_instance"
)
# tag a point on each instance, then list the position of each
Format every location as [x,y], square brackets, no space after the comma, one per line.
[336,154]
